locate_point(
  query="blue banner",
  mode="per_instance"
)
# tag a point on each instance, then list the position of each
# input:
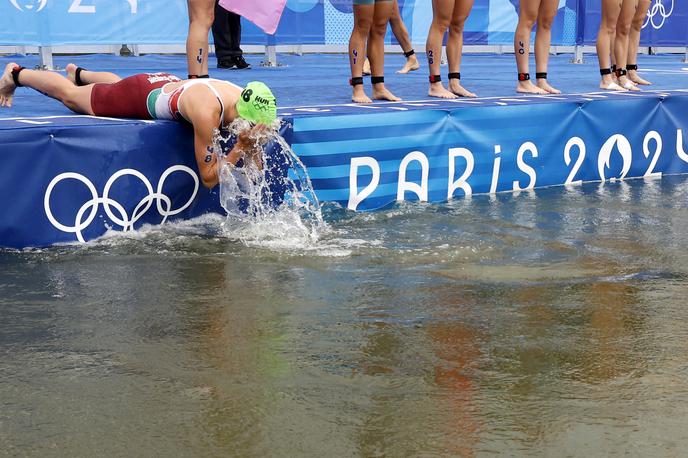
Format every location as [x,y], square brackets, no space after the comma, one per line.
[329,22]
[666,23]
[48,22]
[420,152]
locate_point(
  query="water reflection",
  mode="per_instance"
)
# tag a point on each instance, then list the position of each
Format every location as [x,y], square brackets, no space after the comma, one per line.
[548,323]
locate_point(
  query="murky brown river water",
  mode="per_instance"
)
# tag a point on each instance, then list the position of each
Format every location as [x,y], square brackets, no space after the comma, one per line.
[550,323]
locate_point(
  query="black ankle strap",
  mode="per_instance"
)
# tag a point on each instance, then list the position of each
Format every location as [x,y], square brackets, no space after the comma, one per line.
[632,67]
[454,76]
[77,77]
[409,53]
[355,81]
[541,75]
[193,77]
[605,71]
[613,68]
[377,79]
[620,72]
[15,75]
[523,76]
[435,78]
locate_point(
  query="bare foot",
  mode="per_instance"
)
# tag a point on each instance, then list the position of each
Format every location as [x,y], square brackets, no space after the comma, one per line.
[7,86]
[366,67]
[359,95]
[380,92]
[410,65]
[627,84]
[437,90]
[456,88]
[544,85]
[611,86]
[71,72]
[527,87]
[633,76]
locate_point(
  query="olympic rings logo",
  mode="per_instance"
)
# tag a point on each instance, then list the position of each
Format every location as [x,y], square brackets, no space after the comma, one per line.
[658,10]
[121,217]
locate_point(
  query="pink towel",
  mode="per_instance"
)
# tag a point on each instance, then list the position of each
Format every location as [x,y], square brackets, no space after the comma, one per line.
[263,13]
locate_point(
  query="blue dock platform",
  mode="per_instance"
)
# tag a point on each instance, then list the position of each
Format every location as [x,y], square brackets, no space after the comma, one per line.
[71,178]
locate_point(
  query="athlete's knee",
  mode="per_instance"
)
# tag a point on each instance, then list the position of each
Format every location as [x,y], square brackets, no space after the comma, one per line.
[204,21]
[69,98]
[362,25]
[545,23]
[623,28]
[379,28]
[441,21]
[456,27]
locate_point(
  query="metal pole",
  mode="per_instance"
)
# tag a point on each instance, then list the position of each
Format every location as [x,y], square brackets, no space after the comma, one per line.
[46,57]
[270,52]
[577,55]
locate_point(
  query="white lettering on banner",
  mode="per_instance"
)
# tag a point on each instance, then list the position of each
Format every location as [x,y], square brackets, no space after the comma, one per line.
[616,142]
[605,155]
[523,167]
[578,142]
[124,220]
[356,197]
[421,190]
[680,152]
[652,135]
[462,182]
[35,5]
[495,169]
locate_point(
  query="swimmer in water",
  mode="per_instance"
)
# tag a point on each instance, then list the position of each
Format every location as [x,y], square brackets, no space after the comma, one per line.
[206,104]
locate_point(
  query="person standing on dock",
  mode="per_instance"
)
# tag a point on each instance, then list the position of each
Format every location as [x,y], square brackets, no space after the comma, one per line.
[606,44]
[401,34]
[634,42]
[227,38]
[370,26]
[541,12]
[451,15]
[622,44]
[201,16]
[206,104]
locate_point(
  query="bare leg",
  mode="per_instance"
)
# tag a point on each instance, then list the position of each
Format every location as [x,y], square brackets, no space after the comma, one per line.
[376,49]
[363,21]
[89,77]
[634,40]
[543,39]
[610,14]
[623,27]
[76,98]
[401,34]
[462,8]
[442,11]
[526,19]
[201,14]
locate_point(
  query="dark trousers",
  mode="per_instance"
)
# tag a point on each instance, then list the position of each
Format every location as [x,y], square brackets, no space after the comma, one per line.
[226,33]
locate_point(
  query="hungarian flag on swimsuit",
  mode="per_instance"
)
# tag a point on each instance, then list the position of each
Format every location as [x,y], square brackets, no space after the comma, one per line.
[263,13]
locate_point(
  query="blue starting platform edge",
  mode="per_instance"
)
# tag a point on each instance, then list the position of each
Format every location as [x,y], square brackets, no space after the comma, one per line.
[71,178]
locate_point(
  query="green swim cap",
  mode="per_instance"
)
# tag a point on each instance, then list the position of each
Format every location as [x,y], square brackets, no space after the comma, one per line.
[257,104]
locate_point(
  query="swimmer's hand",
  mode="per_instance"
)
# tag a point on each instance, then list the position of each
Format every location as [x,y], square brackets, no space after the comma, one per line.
[251,142]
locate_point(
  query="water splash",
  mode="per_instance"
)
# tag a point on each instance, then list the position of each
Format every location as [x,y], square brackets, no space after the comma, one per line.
[273,205]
